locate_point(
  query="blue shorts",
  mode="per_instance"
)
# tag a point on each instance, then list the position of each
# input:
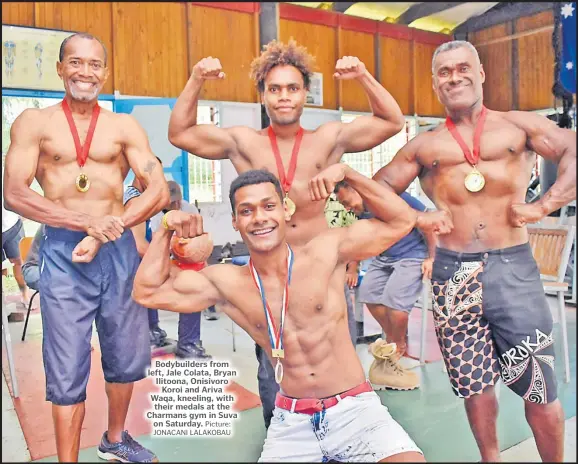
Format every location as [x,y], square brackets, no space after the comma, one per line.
[72,296]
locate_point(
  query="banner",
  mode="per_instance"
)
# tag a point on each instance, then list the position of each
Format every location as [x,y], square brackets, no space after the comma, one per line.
[29,57]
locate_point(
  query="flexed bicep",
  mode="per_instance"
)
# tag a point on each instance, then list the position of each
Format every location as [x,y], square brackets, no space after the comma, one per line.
[367,238]
[184,292]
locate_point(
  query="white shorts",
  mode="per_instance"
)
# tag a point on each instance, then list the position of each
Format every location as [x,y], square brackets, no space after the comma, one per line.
[357,429]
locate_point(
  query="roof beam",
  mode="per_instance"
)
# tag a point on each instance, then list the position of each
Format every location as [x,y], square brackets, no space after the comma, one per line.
[422,10]
[501,13]
[342,7]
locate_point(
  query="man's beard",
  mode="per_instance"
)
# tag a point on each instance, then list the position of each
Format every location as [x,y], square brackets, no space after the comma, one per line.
[85,97]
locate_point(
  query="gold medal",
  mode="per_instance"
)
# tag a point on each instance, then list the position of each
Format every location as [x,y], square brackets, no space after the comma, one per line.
[278,353]
[82,183]
[290,204]
[286,180]
[474,181]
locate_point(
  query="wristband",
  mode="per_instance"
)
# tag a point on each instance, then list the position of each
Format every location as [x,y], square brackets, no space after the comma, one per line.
[164,221]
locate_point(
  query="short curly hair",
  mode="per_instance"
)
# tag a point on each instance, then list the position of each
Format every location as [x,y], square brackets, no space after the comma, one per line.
[277,53]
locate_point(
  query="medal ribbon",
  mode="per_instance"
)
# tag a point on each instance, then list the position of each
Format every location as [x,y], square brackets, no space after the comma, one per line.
[275,336]
[472,159]
[81,151]
[286,181]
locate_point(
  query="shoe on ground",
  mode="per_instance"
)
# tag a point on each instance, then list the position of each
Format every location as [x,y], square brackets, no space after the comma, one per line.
[386,372]
[191,351]
[128,450]
[157,337]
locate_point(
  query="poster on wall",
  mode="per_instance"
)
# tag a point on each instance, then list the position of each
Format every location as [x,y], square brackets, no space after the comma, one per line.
[315,94]
[29,57]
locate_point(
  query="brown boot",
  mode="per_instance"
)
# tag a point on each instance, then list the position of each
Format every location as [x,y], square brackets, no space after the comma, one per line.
[386,372]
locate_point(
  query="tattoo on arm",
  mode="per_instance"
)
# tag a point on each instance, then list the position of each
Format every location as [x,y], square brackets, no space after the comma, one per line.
[149,167]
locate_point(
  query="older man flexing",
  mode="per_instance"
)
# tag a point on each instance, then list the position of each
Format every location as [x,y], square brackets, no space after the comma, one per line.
[491,315]
[80,155]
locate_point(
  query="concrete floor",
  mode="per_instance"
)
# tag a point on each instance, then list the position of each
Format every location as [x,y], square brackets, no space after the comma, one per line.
[219,341]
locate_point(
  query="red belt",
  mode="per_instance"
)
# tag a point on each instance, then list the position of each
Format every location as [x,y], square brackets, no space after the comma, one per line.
[313,405]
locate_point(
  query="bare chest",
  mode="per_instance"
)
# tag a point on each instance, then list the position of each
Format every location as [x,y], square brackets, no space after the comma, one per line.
[58,145]
[307,300]
[504,161]
[497,145]
[310,159]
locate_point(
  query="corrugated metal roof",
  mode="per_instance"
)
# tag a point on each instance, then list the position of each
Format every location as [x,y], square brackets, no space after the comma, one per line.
[452,14]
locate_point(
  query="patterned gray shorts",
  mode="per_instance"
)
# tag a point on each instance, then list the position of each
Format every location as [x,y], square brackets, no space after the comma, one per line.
[492,318]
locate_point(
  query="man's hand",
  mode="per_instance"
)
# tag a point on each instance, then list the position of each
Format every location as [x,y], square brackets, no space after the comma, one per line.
[435,222]
[185,225]
[525,213]
[349,67]
[86,250]
[322,185]
[351,278]
[426,268]
[105,229]
[208,69]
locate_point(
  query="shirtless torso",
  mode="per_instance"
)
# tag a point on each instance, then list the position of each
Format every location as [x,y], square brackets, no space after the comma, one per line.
[106,168]
[43,148]
[316,333]
[320,359]
[284,95]
[506,164]
[486,219]
[316,153]
[493,218]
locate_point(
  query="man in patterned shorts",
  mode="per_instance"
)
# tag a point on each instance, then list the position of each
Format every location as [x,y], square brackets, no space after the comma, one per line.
[491,315]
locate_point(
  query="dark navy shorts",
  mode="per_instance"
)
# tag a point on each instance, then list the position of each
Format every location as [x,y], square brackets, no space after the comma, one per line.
[72,297]
[492,319]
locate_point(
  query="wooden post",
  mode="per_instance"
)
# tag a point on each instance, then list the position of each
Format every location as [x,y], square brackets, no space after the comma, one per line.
[268,31]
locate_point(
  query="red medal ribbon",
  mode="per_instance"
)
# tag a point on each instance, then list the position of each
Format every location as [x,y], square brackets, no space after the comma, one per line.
[472,159]
[81,151]
[286,180]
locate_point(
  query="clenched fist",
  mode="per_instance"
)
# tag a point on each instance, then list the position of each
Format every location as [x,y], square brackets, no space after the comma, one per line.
[323,184]
[435,222]
[208,69]
[349,67]
[525,213]
[185,225]
[86,250]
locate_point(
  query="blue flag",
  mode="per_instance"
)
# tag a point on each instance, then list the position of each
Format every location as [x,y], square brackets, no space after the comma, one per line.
[568,64]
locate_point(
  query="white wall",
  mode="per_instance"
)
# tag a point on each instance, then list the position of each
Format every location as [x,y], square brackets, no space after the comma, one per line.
[217,216]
